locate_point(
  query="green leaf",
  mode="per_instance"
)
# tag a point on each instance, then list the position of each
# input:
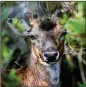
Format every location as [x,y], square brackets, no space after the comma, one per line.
[12,80]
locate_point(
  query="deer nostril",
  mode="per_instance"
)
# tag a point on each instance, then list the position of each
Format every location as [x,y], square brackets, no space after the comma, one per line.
[50,54]
[56,54]
[46,55]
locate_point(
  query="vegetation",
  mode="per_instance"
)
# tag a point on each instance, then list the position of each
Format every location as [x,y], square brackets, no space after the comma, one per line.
[73,21]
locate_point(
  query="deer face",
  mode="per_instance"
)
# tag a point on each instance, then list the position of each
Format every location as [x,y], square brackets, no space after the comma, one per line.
[47,39]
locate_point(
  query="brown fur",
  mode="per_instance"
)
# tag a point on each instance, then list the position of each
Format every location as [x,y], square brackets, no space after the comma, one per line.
[35,75]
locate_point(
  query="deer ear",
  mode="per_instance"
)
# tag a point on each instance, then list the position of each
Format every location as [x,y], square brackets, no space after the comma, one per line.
[33,19]
[29,16]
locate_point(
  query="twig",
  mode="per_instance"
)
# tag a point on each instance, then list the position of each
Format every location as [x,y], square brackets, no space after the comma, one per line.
[81,66]
[84,62]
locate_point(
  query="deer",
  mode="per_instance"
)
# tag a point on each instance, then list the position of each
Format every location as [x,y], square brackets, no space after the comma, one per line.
[47,46]
[44,65]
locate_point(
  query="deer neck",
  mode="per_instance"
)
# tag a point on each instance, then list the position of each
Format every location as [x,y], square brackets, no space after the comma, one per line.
[49,72]
[54,73]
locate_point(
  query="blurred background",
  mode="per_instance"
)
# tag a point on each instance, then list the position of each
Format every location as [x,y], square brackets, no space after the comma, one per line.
[16,48]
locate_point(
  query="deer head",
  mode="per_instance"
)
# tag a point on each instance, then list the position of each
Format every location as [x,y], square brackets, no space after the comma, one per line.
[47,37]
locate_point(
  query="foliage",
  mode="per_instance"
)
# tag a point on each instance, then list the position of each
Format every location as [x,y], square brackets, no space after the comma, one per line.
[81,85]
[4,9]
[11,79]
[6,51]
[75,26]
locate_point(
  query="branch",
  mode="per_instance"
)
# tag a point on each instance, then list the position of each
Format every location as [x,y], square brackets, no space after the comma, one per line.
[81,66]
